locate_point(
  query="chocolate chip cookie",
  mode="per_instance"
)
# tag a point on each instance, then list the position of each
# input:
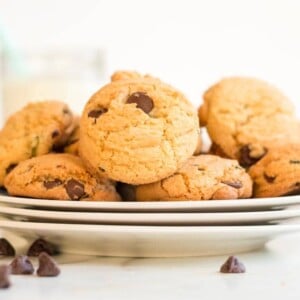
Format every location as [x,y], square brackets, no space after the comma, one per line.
[35,130]
[246,117]
[277,173]
[58,176]
[203,177]
[137,130]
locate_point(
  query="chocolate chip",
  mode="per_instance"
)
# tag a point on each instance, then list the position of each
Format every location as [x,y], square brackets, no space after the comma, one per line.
[66,111]
[142,100]
[269,179]
[75,189]
[40,245]
[55,134]
[294,161]
[4,277]
[6,248]
[126,191]
[96,113]
[10,168]
[52,183]
[21,265]
[233,265]
[245,159]
[47,266]
[236,184]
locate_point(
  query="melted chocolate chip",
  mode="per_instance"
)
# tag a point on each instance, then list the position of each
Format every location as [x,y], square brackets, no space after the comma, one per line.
[269,179]
[47,266]
[66,111]
[142,100]
[55,134]
[4,277]
[21,265]
[39,246]
[10,168]
[6,248]
[75,189]
[236,184]
[126,191]
[233,265]
[96,113]
[52,183]
[245,159]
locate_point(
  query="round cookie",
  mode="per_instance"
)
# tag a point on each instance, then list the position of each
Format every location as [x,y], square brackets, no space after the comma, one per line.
[60,177]
[35,130]
[204,177]
[137,130]
[277,173]
[245,117]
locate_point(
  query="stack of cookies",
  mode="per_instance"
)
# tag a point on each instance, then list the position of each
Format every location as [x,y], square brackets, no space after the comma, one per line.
[138,139]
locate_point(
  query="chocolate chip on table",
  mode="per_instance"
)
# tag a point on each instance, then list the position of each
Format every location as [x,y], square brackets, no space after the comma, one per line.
[75,189]
[126,191]
[245,158]
[4,277]
[21,265]
[47,266]
[233,265]
[52,183]
[96,113]
[6,248]
[142,100]
[39,246]
[235,184]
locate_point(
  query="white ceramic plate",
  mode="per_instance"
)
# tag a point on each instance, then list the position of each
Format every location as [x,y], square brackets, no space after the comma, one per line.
[149,241]
[184,218]
[194,206]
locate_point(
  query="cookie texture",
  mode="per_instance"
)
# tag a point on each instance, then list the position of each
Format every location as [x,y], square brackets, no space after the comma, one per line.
[245,117]
[137,130]
[72,143]
[60,177]
[35,130]
[277,173]
[203,177]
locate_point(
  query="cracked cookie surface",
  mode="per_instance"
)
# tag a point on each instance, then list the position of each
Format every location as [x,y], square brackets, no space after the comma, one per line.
[60,177]
[35,130]
[245,117]
[137,129]
[203,177]
[277,173]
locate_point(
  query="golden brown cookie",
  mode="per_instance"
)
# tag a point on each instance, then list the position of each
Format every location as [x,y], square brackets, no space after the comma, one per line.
[137,130]
[245,117]
[72,144]
[203,177]
[35,130]
[60,177]
[277,173]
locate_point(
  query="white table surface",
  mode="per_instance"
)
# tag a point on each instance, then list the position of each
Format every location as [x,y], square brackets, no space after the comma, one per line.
[272,273]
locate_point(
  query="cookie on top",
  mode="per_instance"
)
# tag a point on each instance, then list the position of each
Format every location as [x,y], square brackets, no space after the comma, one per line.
[137,129]
[245,117]
[35,130]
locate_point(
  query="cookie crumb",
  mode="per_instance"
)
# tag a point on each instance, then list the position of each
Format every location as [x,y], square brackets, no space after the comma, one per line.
[232,265]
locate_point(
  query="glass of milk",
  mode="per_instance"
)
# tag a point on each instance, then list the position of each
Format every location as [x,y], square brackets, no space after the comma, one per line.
[69,75]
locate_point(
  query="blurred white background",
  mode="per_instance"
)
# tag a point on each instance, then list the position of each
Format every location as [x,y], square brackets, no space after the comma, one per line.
[188,43]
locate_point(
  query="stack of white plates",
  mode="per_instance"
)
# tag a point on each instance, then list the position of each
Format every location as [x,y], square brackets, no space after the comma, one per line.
[151,229]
